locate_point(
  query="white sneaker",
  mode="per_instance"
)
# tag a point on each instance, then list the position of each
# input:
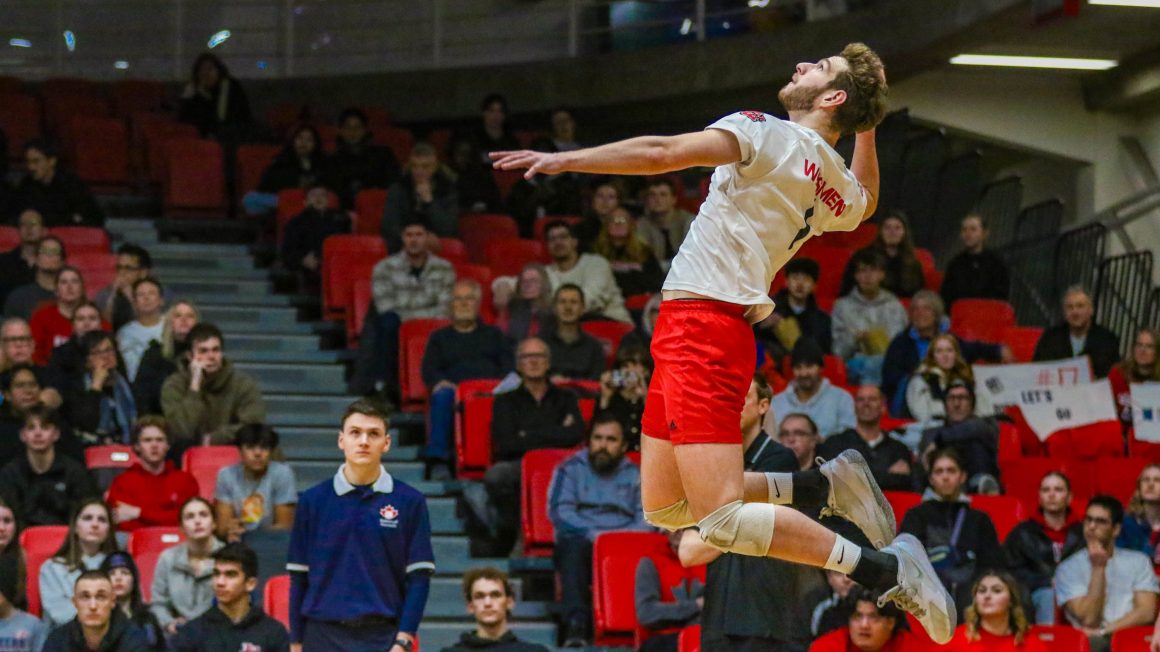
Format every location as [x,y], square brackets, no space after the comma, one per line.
[919,590]
[855,496]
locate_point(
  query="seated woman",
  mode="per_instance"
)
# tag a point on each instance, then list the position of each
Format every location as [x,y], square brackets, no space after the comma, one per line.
[51,324]
[1139,367]
[606,198]
[634,265]
[99,401]
[1142,519]
[904,273]
[961,540]
[943,364]
[161,358]
[67,358]
[995,621]
[10,547]
[1036,546]
[90,540]
[125,578]
[182,587]
[525,310]
[301,164]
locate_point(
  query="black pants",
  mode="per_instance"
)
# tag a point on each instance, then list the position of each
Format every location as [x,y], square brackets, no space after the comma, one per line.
[714,642]
[503,491]
[324,636]
[573,557]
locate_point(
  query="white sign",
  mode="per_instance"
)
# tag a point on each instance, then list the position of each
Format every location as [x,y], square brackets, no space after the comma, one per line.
[1146,411]
[1003,382]
[1051,409]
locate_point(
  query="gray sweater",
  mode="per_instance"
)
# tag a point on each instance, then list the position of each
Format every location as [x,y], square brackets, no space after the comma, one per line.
[56,588]
[855,313]
[179,592]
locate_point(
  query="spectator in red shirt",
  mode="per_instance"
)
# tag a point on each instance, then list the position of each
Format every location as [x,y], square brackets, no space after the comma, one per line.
[51,324]
[871,629]
[152,491]
[1139,367]
[995,621]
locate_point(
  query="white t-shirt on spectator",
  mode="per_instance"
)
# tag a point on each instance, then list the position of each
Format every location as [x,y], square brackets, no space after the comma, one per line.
[789,185]
[1127,571]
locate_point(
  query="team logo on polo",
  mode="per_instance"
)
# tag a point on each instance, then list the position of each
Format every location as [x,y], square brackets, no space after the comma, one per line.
[388,516]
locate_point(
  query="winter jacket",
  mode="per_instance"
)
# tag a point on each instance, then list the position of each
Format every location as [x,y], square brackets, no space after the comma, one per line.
[1032,555]
[905,353]
[227,399]
[213,631]
[122,636]
[582,502]
[1101,344]
[506,643]
[855,313]
[423,296]
[45,498]
[160,497]
[975,276]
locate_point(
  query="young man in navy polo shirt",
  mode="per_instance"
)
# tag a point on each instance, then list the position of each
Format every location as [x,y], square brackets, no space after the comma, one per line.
[360,552]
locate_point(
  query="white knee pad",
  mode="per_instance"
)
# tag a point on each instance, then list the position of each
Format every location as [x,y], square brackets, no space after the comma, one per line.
[673,518]
[740,527]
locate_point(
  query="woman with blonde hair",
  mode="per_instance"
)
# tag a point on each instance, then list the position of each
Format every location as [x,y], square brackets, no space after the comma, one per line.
[1142,518]
[943,364]
[1140,366]
[995,620]
[634,265]
[524,308]
[91,538]
[161,358]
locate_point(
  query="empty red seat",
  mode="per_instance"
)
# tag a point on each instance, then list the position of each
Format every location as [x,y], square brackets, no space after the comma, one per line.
[477,229]
[9,237]
[453,250]
[369,206]
[508,257]
[61,108]
[609,333]
[399,140]
[40,543]
[100,151]
[283,117]
[194,181]
[413,335]
[1117,476]
[253,159]
[146,545]
[1091,442]
[505,180]
[1133,639]
[983,320]
[346,258]
[77,239]
[204,462]
[1061,638]
[20,120]
[107,462]
[887,422]
[132,95]
[473,427]
[902,502]
[98,268]
[832,261]
[155,131]
[615,556]
[1005,511]
[276,599]
[541,223]
[1021,479]
[536,471]
[1022,341]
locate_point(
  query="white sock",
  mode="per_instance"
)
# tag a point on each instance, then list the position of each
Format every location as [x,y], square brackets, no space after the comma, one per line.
[844,557]
[780,488]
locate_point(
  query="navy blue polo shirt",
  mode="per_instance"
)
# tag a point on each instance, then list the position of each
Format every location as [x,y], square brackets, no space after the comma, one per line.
[356,545]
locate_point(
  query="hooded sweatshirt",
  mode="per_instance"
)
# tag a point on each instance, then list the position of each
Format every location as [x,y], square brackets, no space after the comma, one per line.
[226,399]
[506,643]
[215,632]
[1033,548]
[855,313]
[121,637]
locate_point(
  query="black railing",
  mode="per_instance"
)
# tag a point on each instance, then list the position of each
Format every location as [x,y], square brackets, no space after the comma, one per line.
[1122,294]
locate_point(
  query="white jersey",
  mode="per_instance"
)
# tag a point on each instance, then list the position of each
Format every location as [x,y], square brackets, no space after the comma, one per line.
[789,185]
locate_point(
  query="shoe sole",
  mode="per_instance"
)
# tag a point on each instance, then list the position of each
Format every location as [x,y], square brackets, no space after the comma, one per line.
[911,551]
[874,515]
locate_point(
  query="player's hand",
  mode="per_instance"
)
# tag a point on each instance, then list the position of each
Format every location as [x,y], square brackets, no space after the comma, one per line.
[535,162]
[295,647]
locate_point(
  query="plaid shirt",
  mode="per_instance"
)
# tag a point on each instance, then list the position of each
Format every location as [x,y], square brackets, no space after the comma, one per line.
[426,295]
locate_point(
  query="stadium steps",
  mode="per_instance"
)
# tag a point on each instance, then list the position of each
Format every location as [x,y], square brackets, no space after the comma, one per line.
[305,392]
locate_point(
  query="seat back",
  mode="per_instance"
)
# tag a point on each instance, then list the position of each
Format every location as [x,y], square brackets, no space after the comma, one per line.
[133,95]
[1022,341]
[508,257]
[609,333]
[689,640]
[369,206]
[204,462]
[902,502]
[21,122]
[357,308]
[40,543]
[1005,511]
[1117,476]
[146,545]
[82,238]
[1094,441]
[105,463]
[193,180]
[505,180]
[536,471]
[100,150]
[1061,638]
[9,237]
[98,268]
[453,250]
[477,229]
[1021,478]
[276,599]
[473,426]
[156,130]
[1133,639]
[983,320]
[413,335]
[615,556]
[253,159]
[344,259]
[398,139]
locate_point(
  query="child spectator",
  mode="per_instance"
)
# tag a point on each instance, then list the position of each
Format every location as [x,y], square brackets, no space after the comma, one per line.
[303,235]
[866,319]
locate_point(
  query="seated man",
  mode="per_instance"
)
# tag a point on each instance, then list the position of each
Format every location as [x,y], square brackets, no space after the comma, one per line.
[535,415]
[424,193]
[866,319]
[134,337]
[412,284]
[1102,588]
[151,492]
[17,347]
[234,622]
[575,354]
[976,272]
[18,265]
[41,486]
[889,458]
[23,300]
[1036,546]
[592,273]
[467,349]
[116,301]
[60,196]
[871,629]
[20,631]
[357,162]
[796,312]
[1079,335]
[798,432]
[255,492]
[594,491]
[653,611]
[975,439]
[490,602]
[206,400]
[99,624]
[302,237]
[669,224]
[831,407]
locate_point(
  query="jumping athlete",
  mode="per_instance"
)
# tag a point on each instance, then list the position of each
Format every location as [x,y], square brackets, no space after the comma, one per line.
[776,184]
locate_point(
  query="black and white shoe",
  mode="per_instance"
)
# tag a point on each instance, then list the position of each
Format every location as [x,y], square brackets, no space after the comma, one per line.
[855,496]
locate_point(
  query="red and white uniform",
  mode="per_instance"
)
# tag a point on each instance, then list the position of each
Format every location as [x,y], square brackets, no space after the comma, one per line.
[789,185]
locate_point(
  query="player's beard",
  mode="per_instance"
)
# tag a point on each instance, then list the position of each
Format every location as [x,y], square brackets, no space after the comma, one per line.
[798,98]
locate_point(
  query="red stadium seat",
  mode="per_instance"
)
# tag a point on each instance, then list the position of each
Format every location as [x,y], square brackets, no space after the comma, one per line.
[983,320]
[107,462]
[671,574]
[452,250]
[542,222]
[1010,446]
[1021,340]
[1061,638]
[98,268]
[133,95]
[477,229]
[830,279]
[276,599]
[1091,442]
[194,179]
[344,259]
[925,258]
[609,333]
[156,131]
[283,117]
[9,237]
[934,280]
[473,427]
[1029,443]
[146,545]
[535,477]
[413,337]
[505,180]
[20,121]
[637,301]
[40,543]
[77,239]
[689,640]
[852,240]
[1133,639]
[357,309]
[1117,476]
[61,108]
[204,462]
[902,502]
[1142,449]
[1005,511]
[100,151]
[887,422]
[369,206]
[398,139]
[508,257]
[1021,479]
[588,410]
[253,159]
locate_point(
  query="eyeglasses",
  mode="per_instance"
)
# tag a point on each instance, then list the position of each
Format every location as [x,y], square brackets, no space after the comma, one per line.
[17,339]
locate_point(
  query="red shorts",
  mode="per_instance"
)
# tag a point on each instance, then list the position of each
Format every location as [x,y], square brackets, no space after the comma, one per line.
[705,358]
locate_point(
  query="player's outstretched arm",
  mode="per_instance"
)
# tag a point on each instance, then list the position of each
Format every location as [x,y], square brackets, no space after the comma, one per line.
[642,155]
[864,165]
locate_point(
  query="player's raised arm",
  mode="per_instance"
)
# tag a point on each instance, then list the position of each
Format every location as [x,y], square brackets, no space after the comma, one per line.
[864,165]
[642,155]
